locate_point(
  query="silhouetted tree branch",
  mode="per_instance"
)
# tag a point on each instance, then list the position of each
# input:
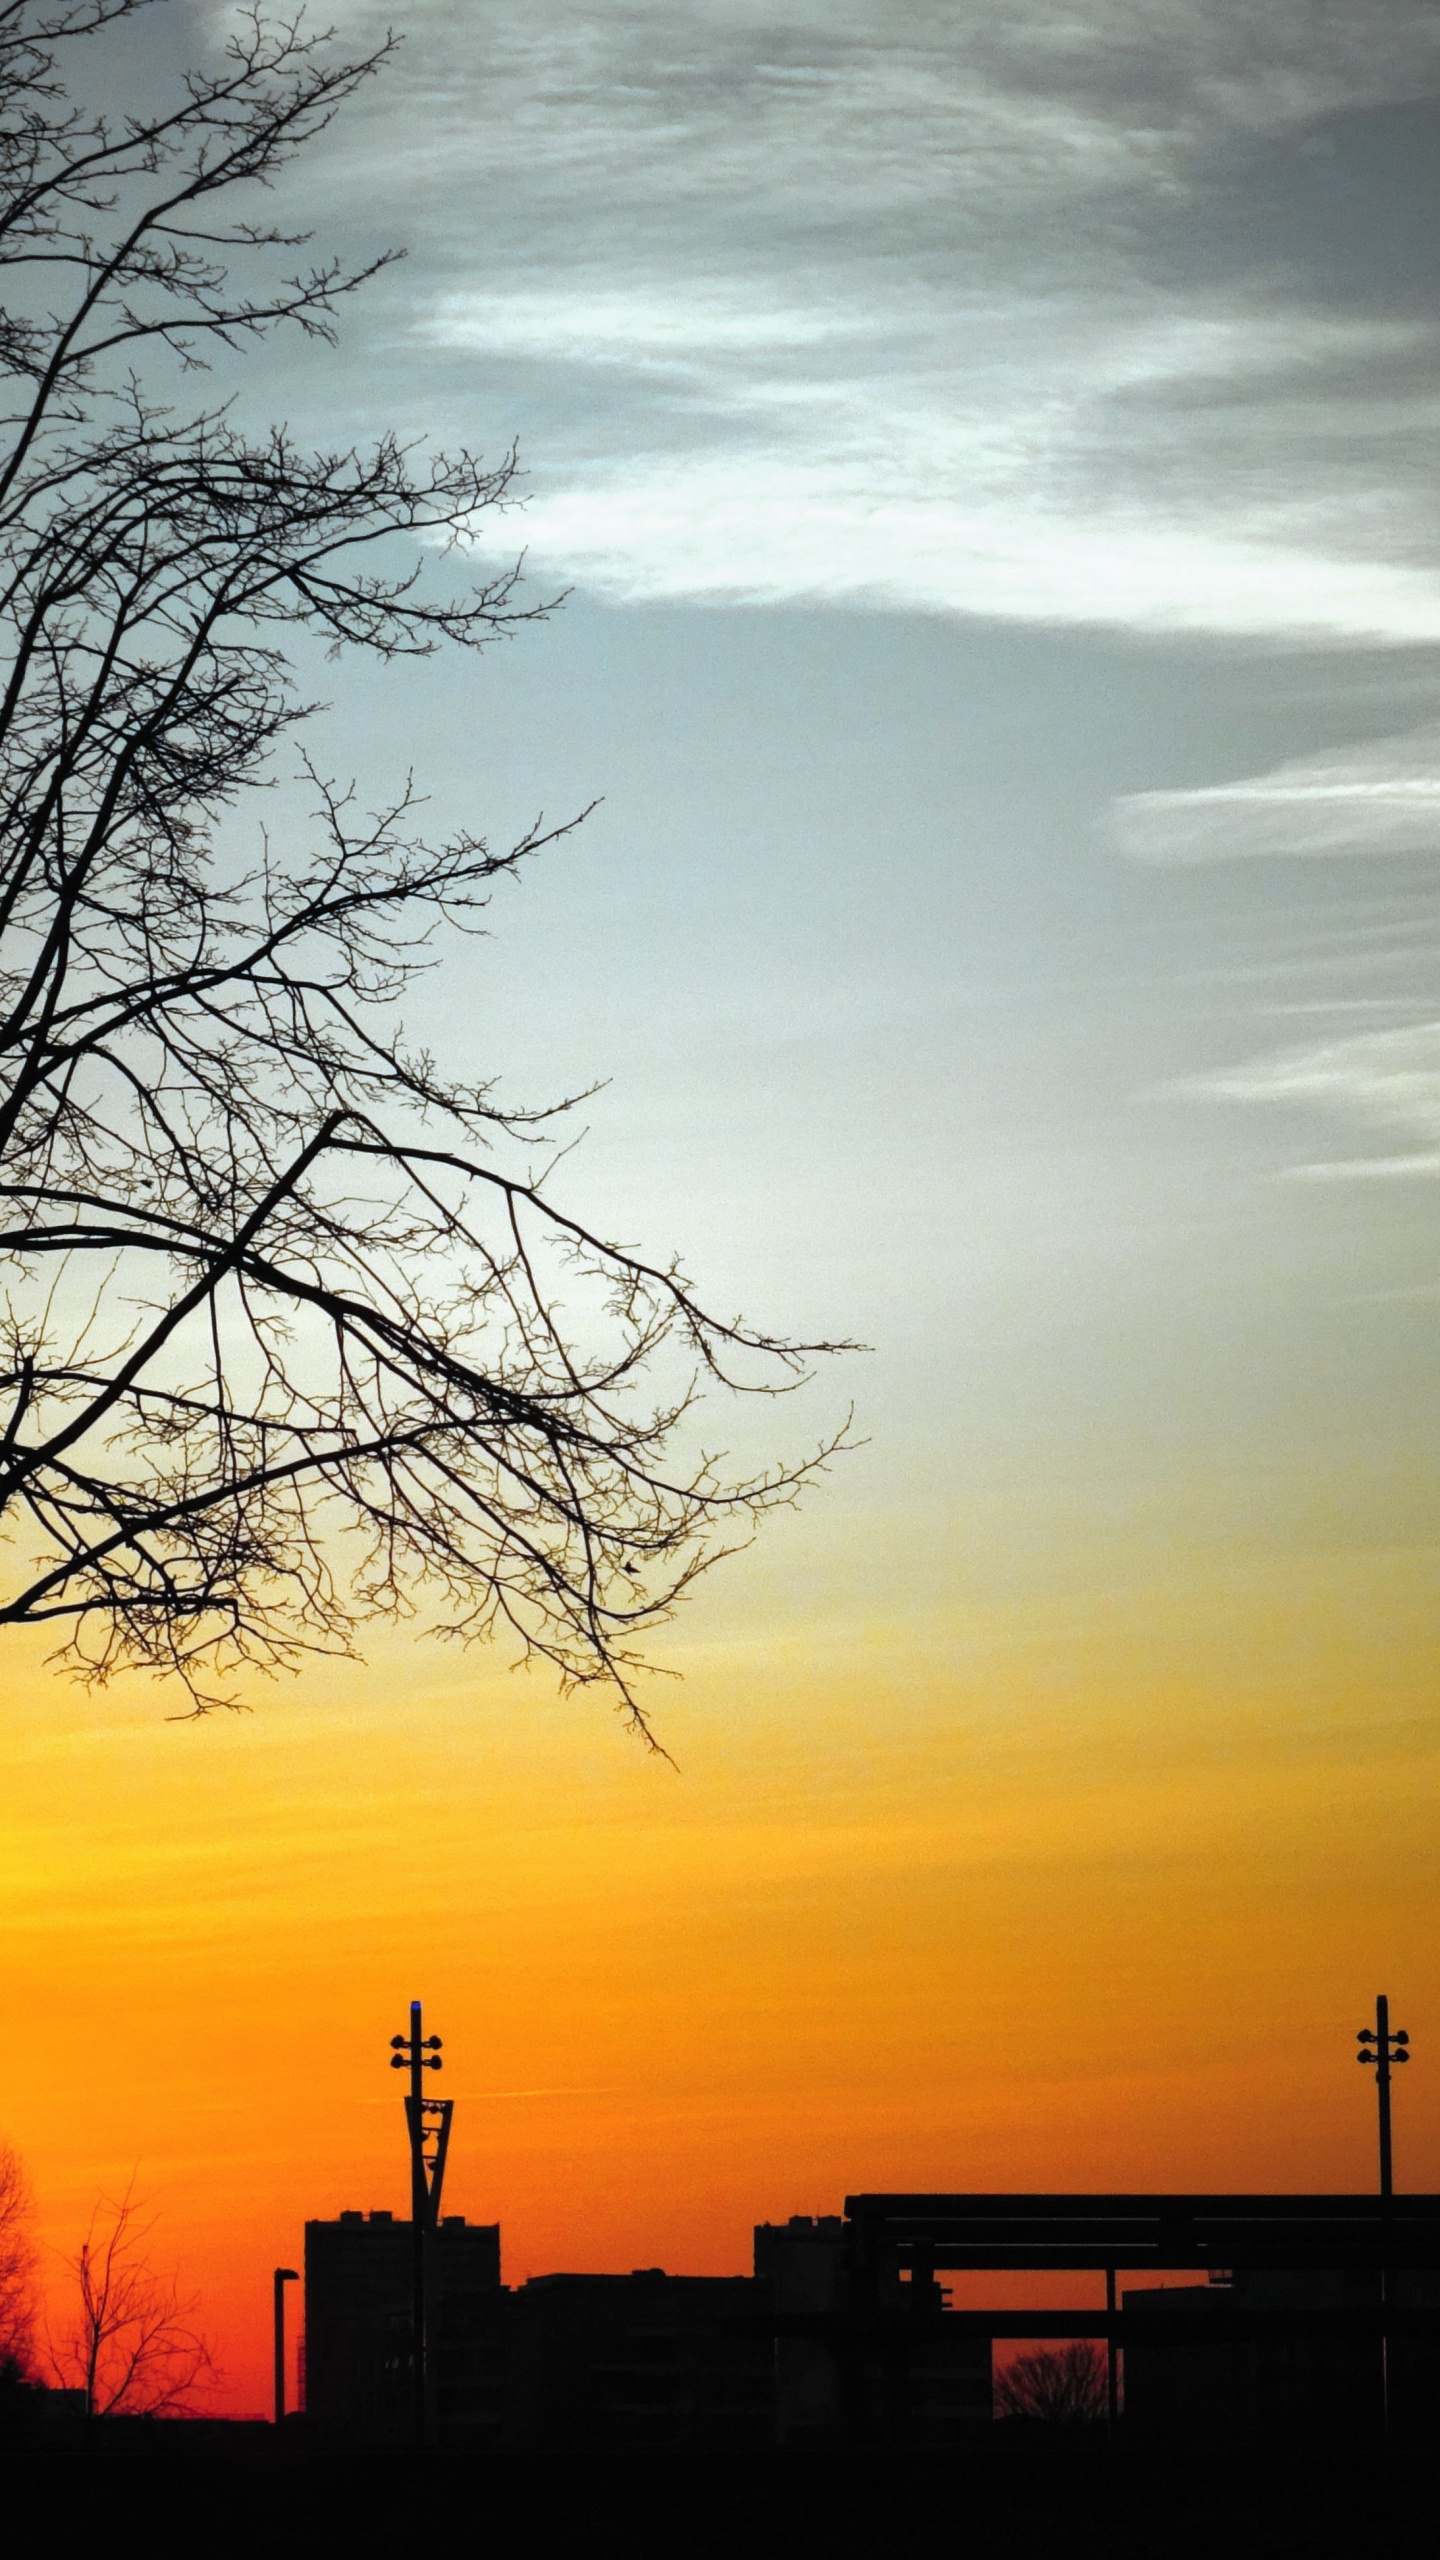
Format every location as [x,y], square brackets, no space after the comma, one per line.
[17,2265]
[129,2345]
[290,1329]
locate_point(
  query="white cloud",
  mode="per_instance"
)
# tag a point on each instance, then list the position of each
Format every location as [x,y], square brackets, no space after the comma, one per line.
[957,456]
[605,325]
[1371,1169]
[1389,1080]
[762,526]
[1383,798]
[795,299]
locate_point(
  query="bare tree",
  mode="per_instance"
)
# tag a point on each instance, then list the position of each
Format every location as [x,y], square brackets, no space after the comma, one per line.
[129,2345]
[291,1330]
[17,2265]
[1063,2385]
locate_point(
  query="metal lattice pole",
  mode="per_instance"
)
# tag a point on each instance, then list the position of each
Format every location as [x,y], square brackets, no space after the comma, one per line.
[418,2053]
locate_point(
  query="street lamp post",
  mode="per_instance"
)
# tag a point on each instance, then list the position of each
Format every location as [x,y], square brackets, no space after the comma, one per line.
[283,2276]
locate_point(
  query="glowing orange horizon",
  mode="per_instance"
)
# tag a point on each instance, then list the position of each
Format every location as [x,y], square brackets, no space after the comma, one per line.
[888,1928]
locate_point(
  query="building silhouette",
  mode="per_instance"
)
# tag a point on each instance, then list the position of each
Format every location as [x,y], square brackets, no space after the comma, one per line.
[900,2368]
[581,2360]
[1266,2316]
[358,2325]
[1275,2316]
[1189,2374]
[803,2263]
[643,2360]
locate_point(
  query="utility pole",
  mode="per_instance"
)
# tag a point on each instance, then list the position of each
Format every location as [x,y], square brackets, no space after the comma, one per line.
[424,2118]
[1384,2050]
[283,2276]
[1381,2050]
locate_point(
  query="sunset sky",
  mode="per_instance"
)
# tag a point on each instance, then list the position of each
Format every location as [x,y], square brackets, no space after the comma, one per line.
[992,464]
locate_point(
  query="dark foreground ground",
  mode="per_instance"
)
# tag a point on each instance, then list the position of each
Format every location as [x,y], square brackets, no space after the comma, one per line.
[1031,2499]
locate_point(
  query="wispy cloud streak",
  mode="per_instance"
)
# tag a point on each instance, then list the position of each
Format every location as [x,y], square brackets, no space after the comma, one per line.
[946,311]
[1383,798]
[1388,1080]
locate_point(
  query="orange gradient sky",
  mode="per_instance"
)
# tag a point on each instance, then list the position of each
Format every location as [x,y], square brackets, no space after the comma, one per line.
[1105,1911]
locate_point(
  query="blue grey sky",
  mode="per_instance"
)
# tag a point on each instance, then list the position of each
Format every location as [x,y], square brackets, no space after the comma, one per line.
[992,466]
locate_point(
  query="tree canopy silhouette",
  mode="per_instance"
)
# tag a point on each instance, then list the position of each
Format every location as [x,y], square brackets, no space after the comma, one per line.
[1064,2386]
[17,2264]
[126,2339]
[282,1340]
